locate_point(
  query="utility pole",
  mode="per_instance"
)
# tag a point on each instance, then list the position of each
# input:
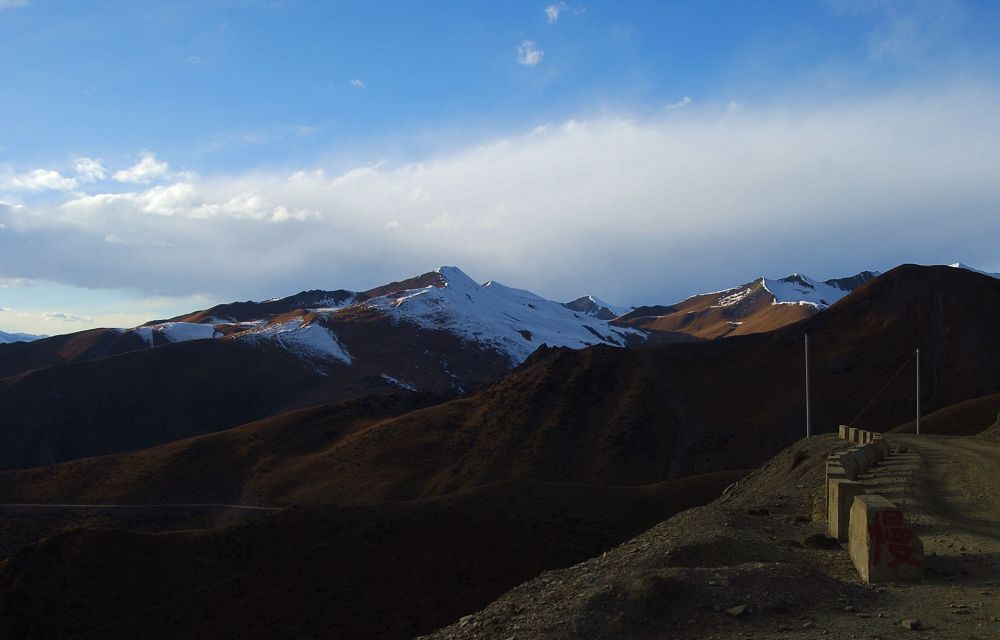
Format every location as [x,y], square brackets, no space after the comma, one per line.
[808,403]
[918,392]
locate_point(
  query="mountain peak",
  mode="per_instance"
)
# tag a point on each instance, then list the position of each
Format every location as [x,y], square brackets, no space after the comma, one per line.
[453,276]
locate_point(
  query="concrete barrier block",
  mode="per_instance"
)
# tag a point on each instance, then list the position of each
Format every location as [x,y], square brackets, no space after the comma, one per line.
[842,432]
[839,500]
[851,464]
[834,470]
[858,460]
[883,547]
[870,454]
[852,434]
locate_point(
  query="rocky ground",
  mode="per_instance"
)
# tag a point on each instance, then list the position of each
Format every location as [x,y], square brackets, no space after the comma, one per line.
[756,562]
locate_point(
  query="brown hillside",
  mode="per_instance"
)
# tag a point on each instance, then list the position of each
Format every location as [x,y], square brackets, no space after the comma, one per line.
[967,418]
[703,317]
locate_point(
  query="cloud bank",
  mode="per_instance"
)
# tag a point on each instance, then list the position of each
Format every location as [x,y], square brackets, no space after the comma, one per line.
[637,210]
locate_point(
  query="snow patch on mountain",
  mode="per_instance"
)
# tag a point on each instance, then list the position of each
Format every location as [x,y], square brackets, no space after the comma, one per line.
[185,331]
[512,321]
[960,265]
[173,332]
[800,289]
[733,298]
[398,382]
[309,340]
[332,305]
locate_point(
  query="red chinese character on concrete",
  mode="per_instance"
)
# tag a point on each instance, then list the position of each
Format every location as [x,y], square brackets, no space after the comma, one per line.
[887,528]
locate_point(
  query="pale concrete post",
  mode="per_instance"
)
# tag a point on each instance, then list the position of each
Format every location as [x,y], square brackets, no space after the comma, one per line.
[852,434]
[840,497]
[842,431]
[883,547]
[834,470]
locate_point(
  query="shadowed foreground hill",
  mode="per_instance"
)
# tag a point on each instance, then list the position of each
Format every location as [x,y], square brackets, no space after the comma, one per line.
[370,571]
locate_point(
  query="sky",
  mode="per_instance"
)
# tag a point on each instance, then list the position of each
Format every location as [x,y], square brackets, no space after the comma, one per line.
[161,157]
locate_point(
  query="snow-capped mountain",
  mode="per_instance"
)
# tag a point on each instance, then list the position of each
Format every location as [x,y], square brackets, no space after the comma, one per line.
[490,317]
[800,289]
[8,338]
[512,321]
[763,304]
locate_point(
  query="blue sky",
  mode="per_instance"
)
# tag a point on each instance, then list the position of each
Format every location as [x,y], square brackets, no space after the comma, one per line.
[161,156]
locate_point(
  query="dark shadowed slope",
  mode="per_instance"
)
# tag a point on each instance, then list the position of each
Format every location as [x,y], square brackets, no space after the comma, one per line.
[19,357]
[276,461]
[142,398]
[374,571]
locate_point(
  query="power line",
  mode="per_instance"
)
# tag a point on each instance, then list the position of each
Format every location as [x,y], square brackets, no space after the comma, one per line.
[886,386]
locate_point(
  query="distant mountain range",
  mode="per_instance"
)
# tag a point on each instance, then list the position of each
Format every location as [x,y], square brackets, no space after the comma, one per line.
[764,304]
[440,333]
[491,318]
[7,338]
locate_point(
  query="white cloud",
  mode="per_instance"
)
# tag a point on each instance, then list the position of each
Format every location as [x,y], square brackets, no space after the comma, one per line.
[12,4]
[680,104]
[89,169]
[553,10]
[357,82]
[66,317]
[630,207]
[143,172]
[529,53]
[41,179]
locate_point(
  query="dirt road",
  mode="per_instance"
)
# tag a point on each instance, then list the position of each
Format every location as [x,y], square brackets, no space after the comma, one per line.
[742,566]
